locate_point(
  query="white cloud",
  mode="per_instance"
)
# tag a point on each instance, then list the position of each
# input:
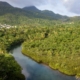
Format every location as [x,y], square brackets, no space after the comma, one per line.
[58,6]
[66,0]
[72,6]
[23,3]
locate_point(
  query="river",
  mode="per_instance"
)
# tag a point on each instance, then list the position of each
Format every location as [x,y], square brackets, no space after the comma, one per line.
[34,71]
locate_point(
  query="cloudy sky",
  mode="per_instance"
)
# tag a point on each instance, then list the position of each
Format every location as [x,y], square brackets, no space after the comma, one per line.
[64,7]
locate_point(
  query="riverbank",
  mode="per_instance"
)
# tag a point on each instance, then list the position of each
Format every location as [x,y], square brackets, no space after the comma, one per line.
[53,65]
[59,49]
[34,71]
[9,68]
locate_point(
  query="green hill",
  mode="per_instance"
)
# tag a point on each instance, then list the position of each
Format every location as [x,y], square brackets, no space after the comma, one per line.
[17,16]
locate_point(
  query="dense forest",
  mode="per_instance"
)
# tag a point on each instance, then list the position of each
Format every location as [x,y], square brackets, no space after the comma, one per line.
[57,46]
[9,69]
[53,41]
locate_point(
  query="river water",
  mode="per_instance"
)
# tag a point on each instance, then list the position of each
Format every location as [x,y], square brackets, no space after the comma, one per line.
[34,71]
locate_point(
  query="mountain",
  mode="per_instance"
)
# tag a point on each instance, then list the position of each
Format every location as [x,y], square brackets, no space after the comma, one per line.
[30,11]
[44,14]
[13,15]
[6,8]
[31,8]
[53,15]
[4,4]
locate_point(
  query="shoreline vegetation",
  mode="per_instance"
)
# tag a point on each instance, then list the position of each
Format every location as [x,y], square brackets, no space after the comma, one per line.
[59,50]
[55,45]
[45,64]
[9,68]
[40,62]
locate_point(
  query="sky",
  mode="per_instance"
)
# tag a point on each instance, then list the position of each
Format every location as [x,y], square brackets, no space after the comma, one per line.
[63,7]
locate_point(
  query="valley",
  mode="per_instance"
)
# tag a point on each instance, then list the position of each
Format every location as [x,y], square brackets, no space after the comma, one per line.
[46,37]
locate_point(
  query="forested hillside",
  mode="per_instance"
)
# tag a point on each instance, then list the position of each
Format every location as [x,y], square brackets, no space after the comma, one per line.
[19,16]
[56,46]
[16,16]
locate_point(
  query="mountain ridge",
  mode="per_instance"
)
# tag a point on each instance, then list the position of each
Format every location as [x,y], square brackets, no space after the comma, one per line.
[4,4]
[29,8]
[32,10]
[10,14]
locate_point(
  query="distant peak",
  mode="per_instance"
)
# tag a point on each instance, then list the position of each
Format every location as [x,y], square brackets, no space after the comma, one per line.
[31,8]
[4,4]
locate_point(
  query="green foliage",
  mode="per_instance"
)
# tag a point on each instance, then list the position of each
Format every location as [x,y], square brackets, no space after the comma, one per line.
[53,42]
[60,49]
[9,69]
[17,16]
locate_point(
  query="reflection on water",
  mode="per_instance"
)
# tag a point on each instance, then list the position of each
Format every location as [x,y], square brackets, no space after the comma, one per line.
[35,71]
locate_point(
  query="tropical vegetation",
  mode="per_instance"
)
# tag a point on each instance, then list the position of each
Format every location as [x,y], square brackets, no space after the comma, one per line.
[48,38]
